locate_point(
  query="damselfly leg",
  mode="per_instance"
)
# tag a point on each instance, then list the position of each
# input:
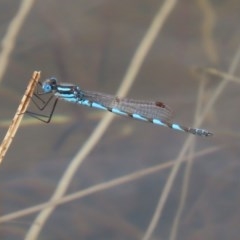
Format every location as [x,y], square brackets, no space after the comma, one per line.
[42,103]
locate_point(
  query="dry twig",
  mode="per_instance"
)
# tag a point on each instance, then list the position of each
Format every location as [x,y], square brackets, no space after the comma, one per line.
[19,115]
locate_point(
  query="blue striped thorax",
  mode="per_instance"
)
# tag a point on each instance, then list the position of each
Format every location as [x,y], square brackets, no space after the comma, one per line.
[65,91]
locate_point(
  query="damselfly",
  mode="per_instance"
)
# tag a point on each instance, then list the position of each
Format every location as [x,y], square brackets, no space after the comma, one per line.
[149,111]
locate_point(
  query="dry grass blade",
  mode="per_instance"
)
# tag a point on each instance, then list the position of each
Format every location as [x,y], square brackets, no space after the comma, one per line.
[19,115]
[103,186]
[217,73]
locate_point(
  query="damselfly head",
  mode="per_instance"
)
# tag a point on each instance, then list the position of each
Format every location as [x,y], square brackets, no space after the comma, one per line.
[49,85]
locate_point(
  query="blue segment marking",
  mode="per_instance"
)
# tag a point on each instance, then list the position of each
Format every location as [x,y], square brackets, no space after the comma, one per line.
[99,106]
[72,100]
[177,127]
[66,96]
[64,89]
[139,117]
[159,122]
[117,111]
[85,103]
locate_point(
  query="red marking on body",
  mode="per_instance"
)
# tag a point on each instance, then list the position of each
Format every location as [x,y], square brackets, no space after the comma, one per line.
[160,104]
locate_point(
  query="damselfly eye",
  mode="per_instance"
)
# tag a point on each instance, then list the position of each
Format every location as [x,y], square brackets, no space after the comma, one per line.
[46,87]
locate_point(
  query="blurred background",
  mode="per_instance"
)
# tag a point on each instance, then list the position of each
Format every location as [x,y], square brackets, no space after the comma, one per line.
[91,44]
